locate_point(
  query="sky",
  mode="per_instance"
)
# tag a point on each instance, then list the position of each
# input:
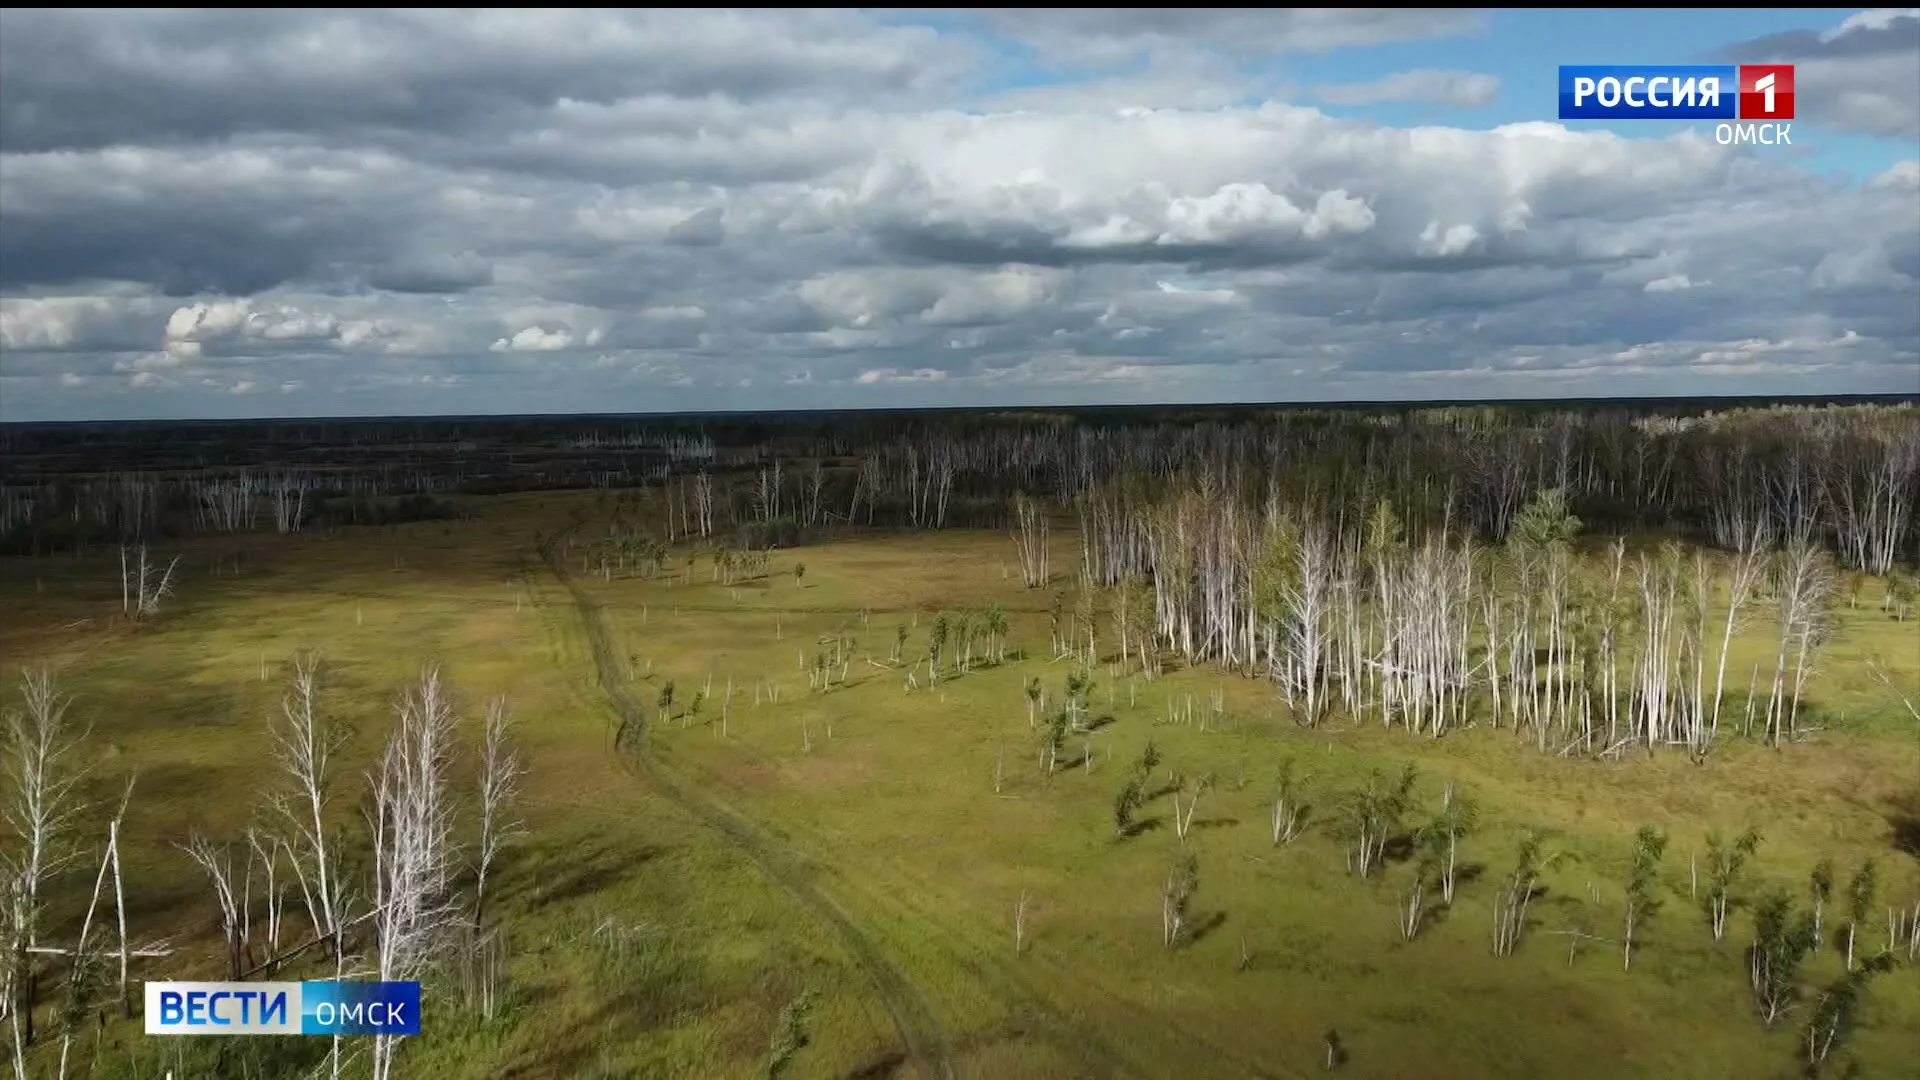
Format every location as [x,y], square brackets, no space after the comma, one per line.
[234,213]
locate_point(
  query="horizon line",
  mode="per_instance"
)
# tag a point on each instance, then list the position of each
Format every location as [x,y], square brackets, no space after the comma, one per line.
[1912,398]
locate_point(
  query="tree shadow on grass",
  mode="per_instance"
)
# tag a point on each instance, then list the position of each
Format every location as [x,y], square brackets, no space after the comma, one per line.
[1206,924]
[1144,825]
[1213,822]
[1903,822]
[1398,849]
[883,1067]
[582,878]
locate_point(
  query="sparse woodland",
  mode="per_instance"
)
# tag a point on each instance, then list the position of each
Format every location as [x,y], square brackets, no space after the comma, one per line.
[1608,590]
[299,893]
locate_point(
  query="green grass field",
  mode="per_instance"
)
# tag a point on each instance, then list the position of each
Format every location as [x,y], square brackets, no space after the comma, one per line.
[671,898]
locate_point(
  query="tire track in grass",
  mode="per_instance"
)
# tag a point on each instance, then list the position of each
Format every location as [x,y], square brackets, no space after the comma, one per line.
[1039,1016]
[919,1032]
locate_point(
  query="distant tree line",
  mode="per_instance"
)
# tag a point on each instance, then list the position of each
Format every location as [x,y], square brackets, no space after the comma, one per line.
[1843,476]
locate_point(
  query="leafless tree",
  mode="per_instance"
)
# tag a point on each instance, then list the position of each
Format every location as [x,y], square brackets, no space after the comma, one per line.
[413,850]
[216,861]
[1885,678]
[226,504]
[1871,487]
[288,492]
[1308,594]
[1183,820]
[1805,594]
[1176,898]
[811,494]
[1743,573]
[82,983]
[500,772]
[1736,497]
[304,745]
[1030,539]
[143,584]
[767,490]
[264,851]
[703,504]
[38,804]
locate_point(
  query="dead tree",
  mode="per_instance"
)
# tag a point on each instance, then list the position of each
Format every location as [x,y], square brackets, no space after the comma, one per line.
[1183,821]
[226,504]
[500,772]
[1743,573]
[304,745]
[1176,898]
[413,852]
[1030,539]
[38,805]
[83,978]
[811,494]
[143,584]
[1308,593]
[703,504]
[216,861]
[1871,489]
[288,492]
[1806,590]
[264,851]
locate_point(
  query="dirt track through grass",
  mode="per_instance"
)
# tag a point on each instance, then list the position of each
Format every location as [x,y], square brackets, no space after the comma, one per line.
[920,1033]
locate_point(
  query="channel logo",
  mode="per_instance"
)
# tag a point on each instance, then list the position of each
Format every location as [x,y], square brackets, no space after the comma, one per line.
[1763,92]
[283,1008]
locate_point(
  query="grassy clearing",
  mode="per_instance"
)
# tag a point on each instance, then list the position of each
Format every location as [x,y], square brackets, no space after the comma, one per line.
[647,941]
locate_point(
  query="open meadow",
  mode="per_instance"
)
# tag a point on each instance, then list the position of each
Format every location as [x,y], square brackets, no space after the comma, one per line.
[893,801]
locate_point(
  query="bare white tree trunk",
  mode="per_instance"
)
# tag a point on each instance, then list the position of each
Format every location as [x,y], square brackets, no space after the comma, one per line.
[1030,539]
[217,862]
[412,819]
[500,772]
[143,585]
[39,805]
[304,745]
[1743,573]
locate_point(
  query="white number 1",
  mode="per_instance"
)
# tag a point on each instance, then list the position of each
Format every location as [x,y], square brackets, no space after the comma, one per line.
[1764,84]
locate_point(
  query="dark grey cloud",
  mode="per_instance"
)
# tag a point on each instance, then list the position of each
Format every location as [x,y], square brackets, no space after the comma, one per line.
[437,273]
[702,228]
[83,79]
[223,220]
